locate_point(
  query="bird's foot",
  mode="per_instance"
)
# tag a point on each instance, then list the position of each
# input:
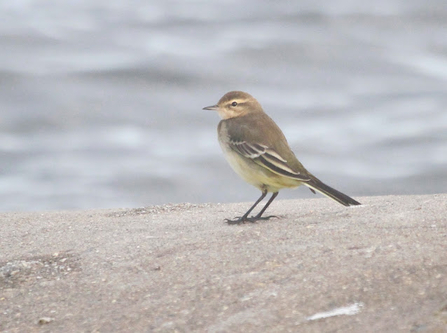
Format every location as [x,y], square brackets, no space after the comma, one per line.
[253,219]
[239,220]
[265,218]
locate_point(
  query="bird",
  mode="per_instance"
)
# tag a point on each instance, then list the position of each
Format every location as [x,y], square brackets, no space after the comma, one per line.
[257,150]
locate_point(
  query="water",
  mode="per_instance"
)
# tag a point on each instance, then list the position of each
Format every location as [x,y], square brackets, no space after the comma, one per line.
[100,101]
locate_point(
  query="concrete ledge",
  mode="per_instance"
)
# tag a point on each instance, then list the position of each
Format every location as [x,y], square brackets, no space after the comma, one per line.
[320,267]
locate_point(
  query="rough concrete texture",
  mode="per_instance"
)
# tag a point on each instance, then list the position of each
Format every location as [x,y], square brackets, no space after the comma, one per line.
[319,267]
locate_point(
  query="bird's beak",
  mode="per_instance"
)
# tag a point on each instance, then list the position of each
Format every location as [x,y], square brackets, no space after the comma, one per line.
[212,107]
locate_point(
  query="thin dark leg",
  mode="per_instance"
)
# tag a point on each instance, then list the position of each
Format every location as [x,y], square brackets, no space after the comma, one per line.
[244,218]
[258,217]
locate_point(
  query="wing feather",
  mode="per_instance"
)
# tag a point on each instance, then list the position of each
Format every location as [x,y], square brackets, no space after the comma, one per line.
[267,158]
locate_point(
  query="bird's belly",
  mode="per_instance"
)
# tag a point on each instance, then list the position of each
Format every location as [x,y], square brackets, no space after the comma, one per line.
[257,175]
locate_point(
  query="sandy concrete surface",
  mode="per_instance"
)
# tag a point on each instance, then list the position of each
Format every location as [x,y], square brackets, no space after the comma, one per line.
[319,267]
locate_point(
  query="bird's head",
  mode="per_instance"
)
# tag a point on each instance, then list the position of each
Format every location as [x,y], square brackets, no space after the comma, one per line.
[235,104]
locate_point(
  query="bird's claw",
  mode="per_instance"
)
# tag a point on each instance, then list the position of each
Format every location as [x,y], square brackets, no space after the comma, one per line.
[253,219]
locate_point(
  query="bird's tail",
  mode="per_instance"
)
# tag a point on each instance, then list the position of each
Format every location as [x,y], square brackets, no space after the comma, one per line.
[317,185]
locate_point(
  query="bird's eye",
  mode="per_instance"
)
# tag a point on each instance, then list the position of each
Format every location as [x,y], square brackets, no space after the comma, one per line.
[234,104]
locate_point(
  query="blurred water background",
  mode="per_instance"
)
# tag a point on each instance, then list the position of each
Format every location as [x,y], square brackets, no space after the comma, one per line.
[101,101]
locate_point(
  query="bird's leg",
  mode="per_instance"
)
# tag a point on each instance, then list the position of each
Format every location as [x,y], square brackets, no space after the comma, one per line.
[258,217]
[245,217]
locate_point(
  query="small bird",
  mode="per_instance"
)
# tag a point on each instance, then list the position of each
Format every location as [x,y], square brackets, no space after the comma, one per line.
[258,151]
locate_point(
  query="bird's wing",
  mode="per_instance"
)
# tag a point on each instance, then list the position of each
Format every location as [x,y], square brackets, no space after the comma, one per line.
[267,158]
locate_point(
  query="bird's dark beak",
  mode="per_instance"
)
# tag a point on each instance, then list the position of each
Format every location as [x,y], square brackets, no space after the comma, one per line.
[212,107]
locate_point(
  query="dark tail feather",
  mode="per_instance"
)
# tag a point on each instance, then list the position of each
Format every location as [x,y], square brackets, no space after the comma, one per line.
[319,186]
